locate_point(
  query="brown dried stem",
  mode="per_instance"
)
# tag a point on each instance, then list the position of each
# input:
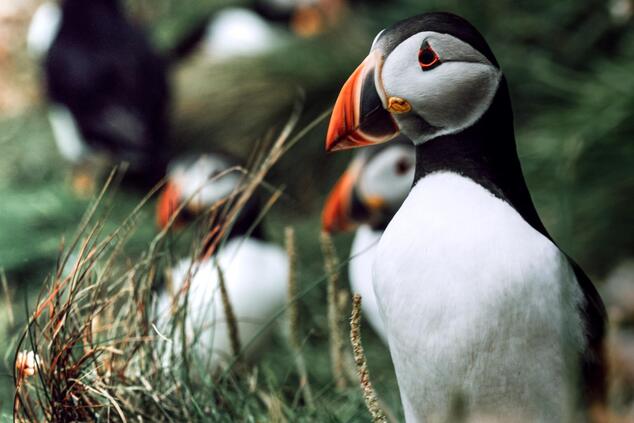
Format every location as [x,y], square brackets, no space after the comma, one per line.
[331,265]
[232,321]
[369,395]
[293,316]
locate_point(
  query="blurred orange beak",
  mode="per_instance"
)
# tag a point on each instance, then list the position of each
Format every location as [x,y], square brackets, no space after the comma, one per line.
[359,117]
[336,216]
[168,204]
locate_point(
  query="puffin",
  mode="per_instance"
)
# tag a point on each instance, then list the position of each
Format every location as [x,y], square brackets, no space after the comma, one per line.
[106,85]
[366,197]
[261,26]
[478,301]
[254,270]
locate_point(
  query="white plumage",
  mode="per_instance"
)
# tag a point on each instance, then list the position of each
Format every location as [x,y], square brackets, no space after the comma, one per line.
[362,255]
[236,32]
[43,29]
[479,304]
[255,273]
[66,133]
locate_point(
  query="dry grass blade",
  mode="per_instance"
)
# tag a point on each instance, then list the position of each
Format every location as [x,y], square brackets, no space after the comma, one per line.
[331,265]
[293,308]
[232,322]
[7,296]
[102,355]
[369,395]
[294,315]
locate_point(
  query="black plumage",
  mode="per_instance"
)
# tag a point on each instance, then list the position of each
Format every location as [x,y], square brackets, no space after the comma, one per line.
[103,69]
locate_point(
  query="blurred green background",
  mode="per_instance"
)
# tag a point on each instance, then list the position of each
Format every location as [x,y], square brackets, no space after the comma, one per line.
[570,66]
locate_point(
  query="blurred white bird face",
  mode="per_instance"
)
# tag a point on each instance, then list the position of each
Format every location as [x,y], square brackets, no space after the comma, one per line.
[387,177]
[372,188]
[200,183]
[205,181]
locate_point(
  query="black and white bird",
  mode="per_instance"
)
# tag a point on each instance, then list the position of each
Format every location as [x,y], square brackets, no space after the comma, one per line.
[106,85]
[261,26]
[367,195]
[254,270]
[477,299]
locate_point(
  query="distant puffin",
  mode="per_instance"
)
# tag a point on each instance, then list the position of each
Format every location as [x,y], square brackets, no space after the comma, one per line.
[369,193]
[477,299]
[303,17]
[106,85]
[261,26]
[255,271]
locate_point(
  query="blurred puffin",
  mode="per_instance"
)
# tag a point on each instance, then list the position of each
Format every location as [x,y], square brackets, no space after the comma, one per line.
[264,25]
[106,86]
[255,271]
[305,18]
[369,193]
[477,299]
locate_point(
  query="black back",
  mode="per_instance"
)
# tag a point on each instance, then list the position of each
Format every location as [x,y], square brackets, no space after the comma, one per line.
[105,72]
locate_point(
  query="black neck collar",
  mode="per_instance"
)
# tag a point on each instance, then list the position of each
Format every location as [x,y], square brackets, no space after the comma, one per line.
[487,154]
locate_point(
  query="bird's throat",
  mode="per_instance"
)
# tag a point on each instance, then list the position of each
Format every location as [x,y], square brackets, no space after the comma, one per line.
[486,153]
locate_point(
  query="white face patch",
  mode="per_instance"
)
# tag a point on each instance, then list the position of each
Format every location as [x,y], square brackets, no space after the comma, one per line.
[450,96]
[43,29]
[204,182]
[389,175]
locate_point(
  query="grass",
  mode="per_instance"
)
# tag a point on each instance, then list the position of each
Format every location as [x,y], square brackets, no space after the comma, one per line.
[92,328]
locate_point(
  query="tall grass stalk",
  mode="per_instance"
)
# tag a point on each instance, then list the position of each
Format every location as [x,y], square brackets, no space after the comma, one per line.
[294,317]
[369,395]
[331,266]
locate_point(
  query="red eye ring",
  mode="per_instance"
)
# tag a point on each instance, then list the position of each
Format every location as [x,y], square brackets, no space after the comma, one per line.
[428,58]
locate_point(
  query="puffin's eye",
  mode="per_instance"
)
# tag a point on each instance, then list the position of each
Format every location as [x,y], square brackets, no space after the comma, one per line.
[427,57]
[402,166]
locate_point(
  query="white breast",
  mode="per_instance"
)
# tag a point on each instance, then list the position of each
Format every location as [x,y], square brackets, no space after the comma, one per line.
[362,255]
[478,304]
[255,274]
[66,133]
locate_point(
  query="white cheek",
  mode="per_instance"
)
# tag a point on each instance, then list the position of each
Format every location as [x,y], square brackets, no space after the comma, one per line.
[218,189]
[396,187]
[381,179]
[458,95]
[202,183]
[452,96]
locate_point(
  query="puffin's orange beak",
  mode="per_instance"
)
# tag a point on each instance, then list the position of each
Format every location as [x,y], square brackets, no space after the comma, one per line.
[168,204]
[336,216]
[359,118]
